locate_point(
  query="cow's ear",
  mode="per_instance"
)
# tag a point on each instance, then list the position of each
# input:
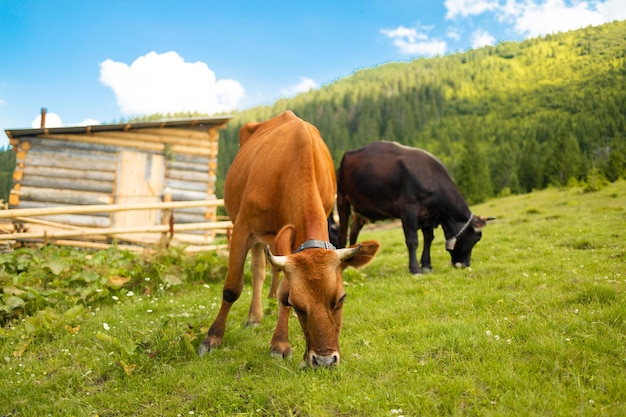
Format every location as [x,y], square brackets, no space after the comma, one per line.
[364,256]
[284,240]
[478,222]
[246,131]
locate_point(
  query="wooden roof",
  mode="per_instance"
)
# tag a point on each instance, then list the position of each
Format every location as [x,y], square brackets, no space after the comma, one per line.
[193,123]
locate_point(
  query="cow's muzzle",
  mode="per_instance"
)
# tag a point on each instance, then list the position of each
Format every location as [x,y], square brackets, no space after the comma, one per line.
[325,361]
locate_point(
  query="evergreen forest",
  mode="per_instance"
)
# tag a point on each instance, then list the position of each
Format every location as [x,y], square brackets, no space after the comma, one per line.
[504,119]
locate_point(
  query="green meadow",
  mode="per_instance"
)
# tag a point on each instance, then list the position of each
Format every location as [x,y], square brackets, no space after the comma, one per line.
[536,327]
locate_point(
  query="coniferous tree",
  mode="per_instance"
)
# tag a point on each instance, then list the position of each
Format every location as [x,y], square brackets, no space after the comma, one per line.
[7,166]
[472,173]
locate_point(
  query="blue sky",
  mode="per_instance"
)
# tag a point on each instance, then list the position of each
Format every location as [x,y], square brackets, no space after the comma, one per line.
[96,61]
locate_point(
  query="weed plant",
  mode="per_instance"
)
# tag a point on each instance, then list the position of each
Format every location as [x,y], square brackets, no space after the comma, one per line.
[536,327]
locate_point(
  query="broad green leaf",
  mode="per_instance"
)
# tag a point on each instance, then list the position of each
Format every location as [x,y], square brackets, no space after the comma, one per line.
[57,266]
[74,312]
[171,279]
[108,339]
[12,302]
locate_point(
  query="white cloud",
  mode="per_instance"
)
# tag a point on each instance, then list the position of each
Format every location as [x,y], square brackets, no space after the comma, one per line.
[482,38]
[2,102]
[535,18]
[411,35]
[466,8]
[453,34]
[52,120]
[410,41]
[303,86]
[613,10]
[165,83]
[89,122]
[555,16]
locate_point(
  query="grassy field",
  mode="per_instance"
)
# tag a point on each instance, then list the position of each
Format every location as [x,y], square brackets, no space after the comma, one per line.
[537,327]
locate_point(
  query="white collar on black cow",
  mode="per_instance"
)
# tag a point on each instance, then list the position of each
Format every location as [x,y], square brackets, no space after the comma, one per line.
[451,243]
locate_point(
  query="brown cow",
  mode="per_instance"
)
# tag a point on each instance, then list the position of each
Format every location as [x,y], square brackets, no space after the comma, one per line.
[278,193]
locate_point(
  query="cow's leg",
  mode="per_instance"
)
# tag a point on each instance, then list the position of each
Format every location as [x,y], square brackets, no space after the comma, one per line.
[280,346]
[429,235]
[233,285]
[275,280]
[343,208]
[258,278]
[357,224]
[409,226]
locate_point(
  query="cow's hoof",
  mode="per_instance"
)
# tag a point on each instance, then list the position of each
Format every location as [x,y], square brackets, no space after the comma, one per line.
[282,352]
[427,270]
[208,344]
[252,324]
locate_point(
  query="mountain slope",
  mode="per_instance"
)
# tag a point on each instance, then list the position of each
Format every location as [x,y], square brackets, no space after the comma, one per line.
[524,115]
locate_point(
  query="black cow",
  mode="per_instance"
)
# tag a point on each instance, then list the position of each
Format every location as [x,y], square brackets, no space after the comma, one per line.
[386,180]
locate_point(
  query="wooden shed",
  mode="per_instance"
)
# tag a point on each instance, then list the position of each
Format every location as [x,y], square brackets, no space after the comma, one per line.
[124,163]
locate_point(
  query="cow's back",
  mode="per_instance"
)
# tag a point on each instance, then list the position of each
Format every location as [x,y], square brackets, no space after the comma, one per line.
[382,176]
[282,174]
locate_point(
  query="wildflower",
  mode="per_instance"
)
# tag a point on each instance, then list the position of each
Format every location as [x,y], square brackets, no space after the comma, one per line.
[106,326]
[130,294]
[488,333]
[115,298]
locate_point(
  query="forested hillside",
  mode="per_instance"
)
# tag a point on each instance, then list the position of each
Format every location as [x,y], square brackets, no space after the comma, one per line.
[508,118]
[504,119]
[7,165]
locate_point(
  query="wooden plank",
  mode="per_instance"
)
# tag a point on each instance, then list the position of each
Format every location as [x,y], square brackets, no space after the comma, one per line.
[43,206]
[73,197]
[140,179]
[188,166]
[14,200]
[177,174]
[140,136]
[96,245]
[74,147]
[114,231]
[47,223]
[157,147]
[185,185]
[77,209]
[196,135]
[184,195]
[123,143]
[67,184]
[182,218]
[190,158]
[78,220]
[70,173]
[59,160]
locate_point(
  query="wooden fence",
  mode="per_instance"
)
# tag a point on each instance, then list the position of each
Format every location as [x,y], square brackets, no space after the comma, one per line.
[19,226]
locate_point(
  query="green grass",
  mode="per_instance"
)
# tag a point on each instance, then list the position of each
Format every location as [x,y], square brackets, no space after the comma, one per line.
[536,327]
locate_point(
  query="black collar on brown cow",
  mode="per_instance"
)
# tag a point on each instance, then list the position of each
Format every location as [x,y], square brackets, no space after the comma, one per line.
[451,243]
[314,243]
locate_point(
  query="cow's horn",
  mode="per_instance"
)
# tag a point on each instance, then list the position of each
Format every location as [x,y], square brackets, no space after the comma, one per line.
[277,261]
[348,253]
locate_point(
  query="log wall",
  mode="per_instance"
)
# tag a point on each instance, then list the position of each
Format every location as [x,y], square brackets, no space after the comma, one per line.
[58,167]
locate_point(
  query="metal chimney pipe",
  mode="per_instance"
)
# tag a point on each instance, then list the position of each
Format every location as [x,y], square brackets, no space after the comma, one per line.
[43,117]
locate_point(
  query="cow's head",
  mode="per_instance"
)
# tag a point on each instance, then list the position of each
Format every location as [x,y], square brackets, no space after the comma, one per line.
[313,287]
[460,246]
